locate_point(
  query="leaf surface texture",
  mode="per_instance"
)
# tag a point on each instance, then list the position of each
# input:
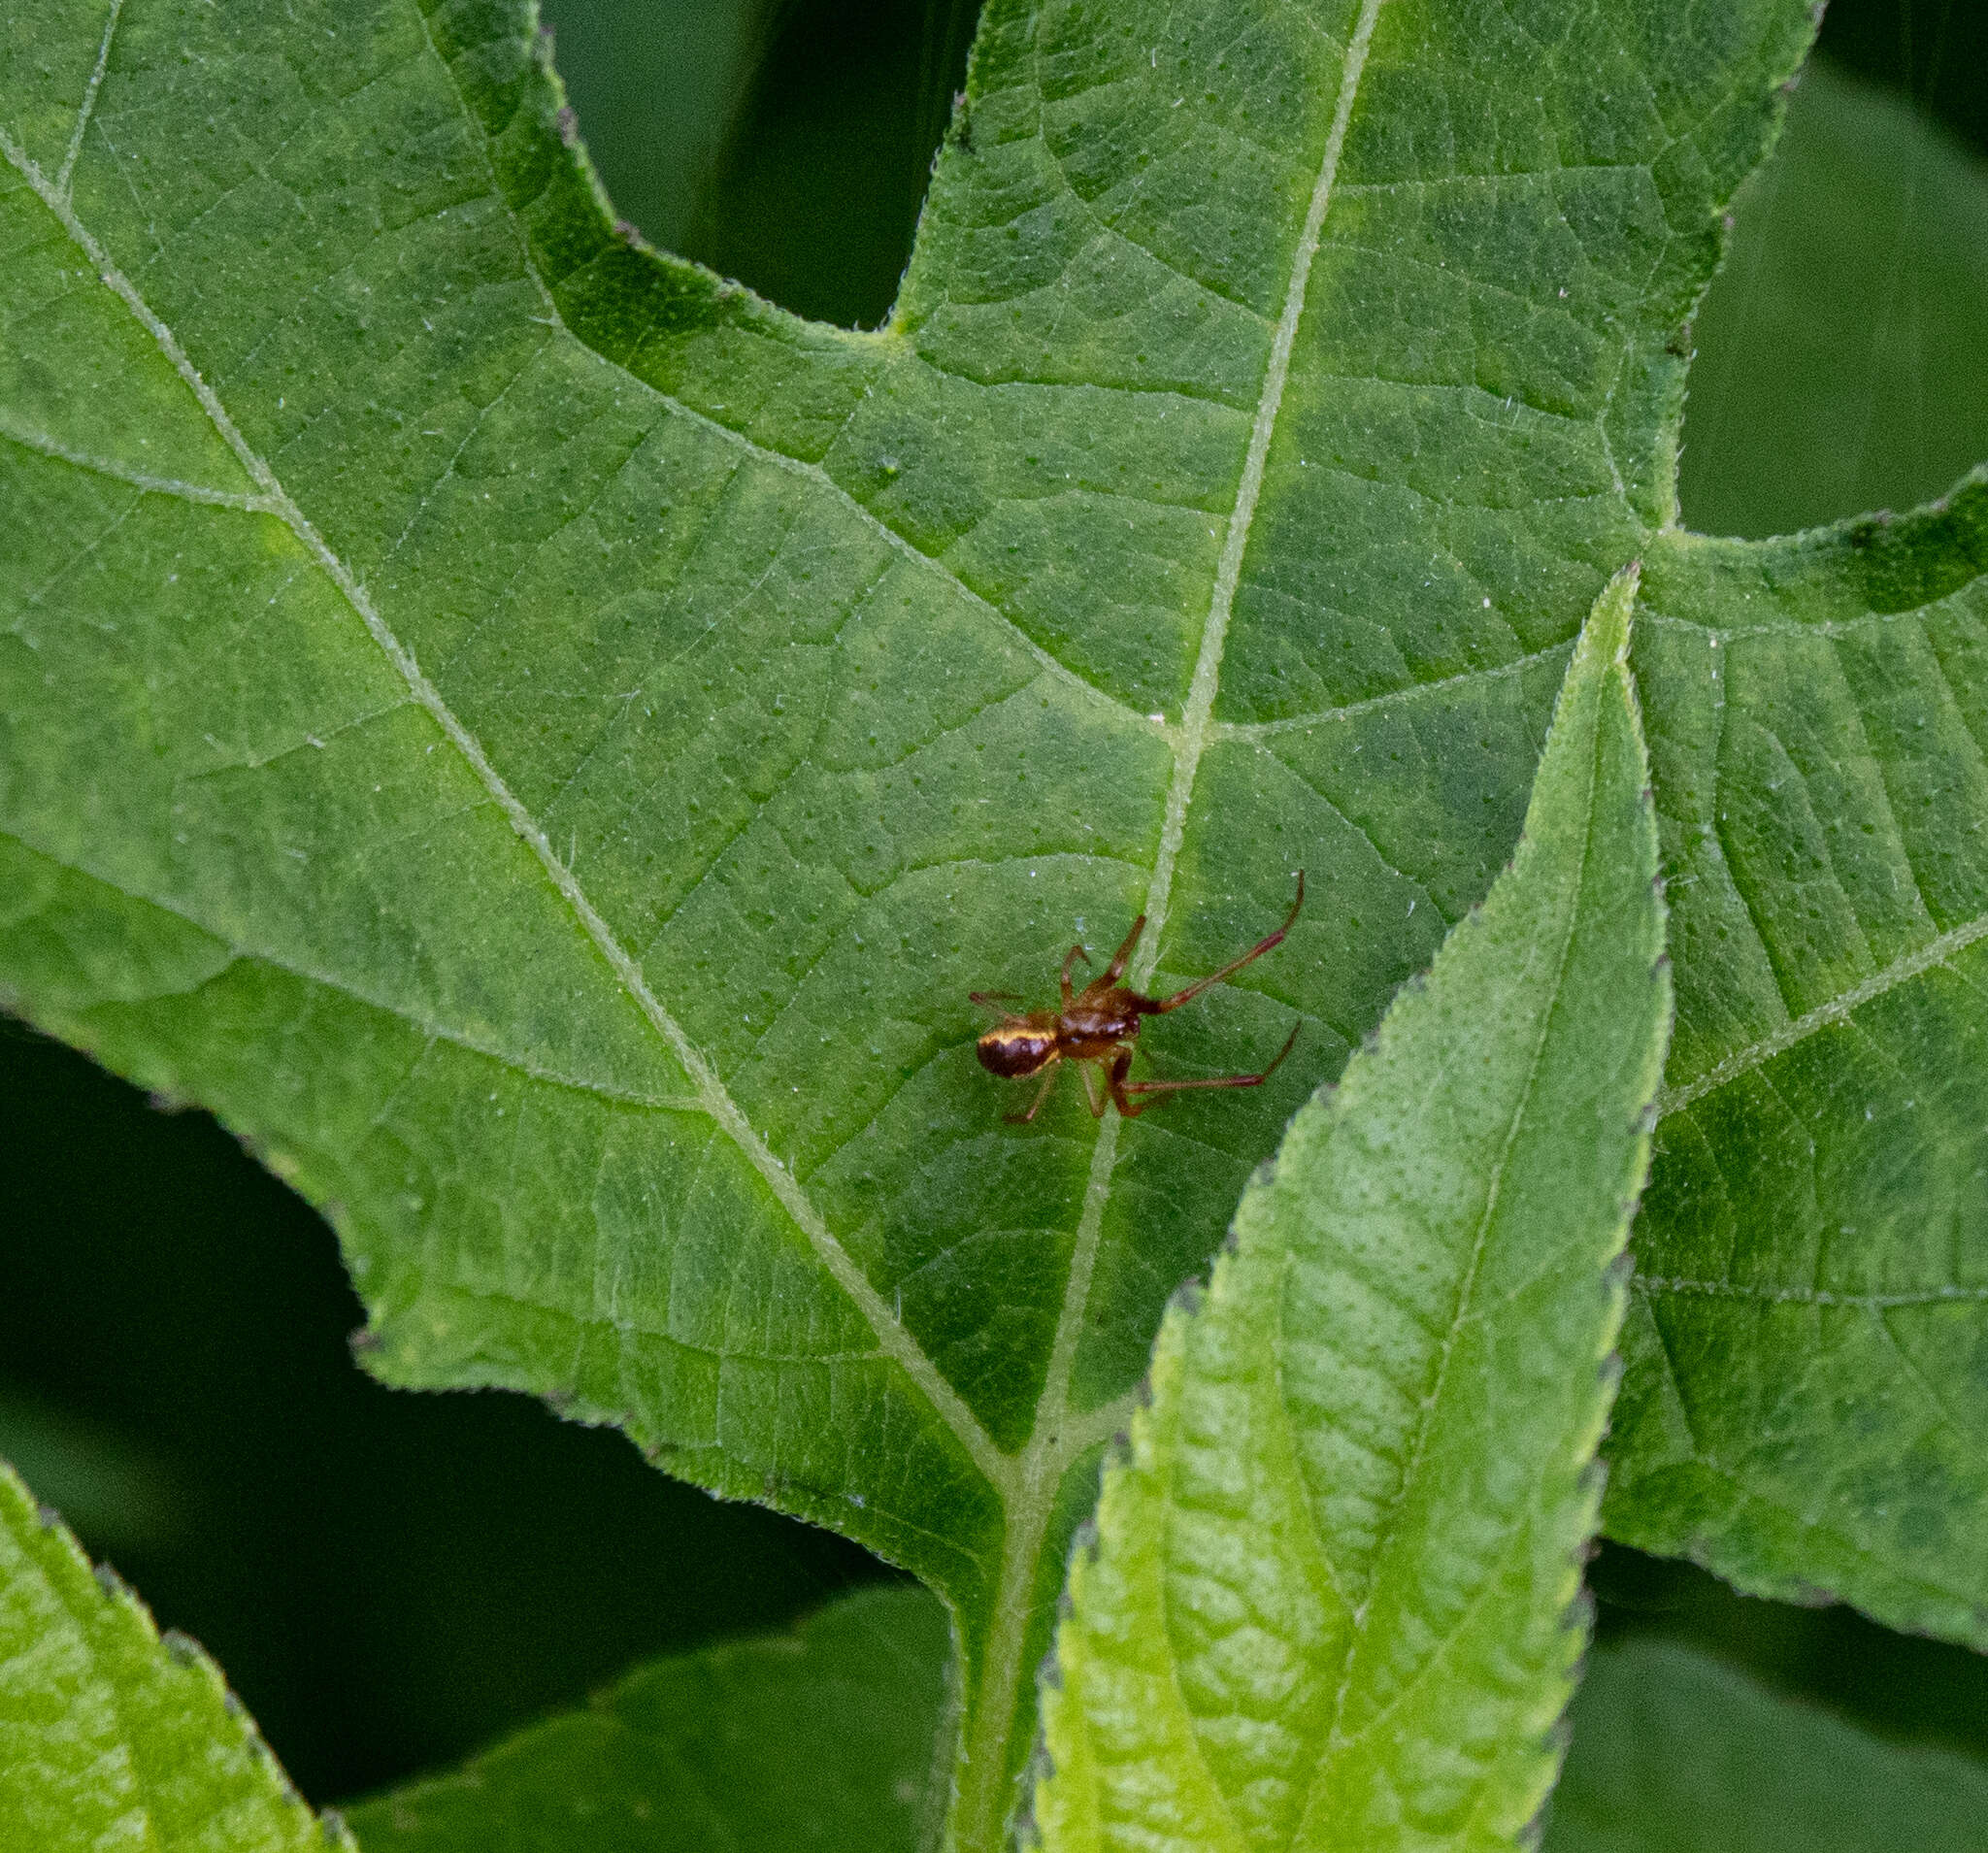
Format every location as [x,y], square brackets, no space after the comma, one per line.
[1329,1600]
[543,743]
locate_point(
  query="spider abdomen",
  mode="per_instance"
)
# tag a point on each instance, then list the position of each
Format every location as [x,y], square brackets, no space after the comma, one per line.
[1015,1050]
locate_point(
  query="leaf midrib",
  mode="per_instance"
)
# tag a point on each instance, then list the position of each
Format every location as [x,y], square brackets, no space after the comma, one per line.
[1196,725]
[1046,1455]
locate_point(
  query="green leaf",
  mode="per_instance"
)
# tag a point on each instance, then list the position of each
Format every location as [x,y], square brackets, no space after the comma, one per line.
[1331,1600]
[1673,1753]
[823,1739]
[543,743]
[1842,357]
[111,1736]
[1804,1406]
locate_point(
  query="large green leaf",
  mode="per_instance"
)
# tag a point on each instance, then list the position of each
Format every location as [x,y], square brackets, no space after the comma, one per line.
[543,743]
[111,1736]
[1670,1752]
[1806,1398]
[1673,1753]
[1330,1602]
[821,1740]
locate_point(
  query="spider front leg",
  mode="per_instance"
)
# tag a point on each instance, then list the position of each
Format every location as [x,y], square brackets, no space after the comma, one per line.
[1115,971]
[1256,952]
[1070,958]
[1121,1088]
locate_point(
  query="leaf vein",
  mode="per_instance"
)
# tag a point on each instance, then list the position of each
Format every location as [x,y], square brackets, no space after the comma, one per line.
[1390,698]
[65,174]
[1902,970]
[433,1031]
[1946,1295]
[13,431]
[947,1403]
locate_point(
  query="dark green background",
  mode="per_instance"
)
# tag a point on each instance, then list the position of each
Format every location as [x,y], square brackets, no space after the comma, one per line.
[390,1580]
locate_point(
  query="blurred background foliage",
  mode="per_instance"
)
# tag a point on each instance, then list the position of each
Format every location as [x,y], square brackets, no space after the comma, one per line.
[391,1580]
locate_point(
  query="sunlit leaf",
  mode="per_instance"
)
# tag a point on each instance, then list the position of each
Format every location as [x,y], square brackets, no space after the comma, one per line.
[111,1736]
[1330,1603]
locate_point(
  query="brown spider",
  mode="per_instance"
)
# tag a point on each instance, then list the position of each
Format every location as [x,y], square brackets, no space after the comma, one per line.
[1099,1024]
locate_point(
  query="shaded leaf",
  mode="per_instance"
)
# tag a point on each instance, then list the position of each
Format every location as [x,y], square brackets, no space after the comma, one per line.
[1673,1753]
[1329,1603]
[111,1736]
[114,1492]
[1842,353]
[823,1738]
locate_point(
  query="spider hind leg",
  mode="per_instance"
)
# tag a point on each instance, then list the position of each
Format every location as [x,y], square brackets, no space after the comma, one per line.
[1123,1090]
[1036,1106]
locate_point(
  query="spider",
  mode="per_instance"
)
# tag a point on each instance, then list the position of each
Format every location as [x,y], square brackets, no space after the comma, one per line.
[1100,1025]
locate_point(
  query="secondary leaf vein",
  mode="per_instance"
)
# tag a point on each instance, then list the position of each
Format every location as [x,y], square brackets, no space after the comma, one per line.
[1948,946]
[1390,698]
[16,432]
[66,174]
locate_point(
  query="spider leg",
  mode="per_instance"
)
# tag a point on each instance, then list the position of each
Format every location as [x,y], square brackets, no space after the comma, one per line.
[993,998]
[1048,1084]
[1090,1092]
[1256,952]
[1070,958]
[1121,1087]
[1115,971]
